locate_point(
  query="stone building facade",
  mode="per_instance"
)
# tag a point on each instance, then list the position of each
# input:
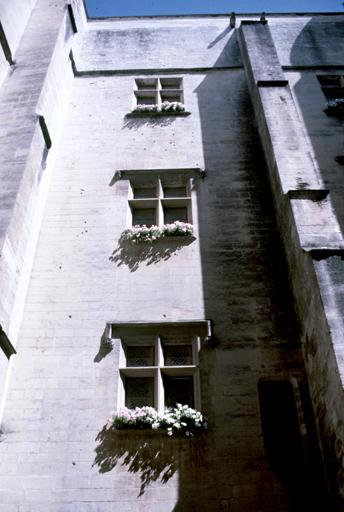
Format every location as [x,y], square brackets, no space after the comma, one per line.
[256,165]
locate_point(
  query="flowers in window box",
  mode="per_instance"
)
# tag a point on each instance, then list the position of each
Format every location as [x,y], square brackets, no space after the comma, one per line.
[177,228]
[166,106]
[179,420]
[142,234]
[138,234]
[172,106]
[335,107]
[146,108]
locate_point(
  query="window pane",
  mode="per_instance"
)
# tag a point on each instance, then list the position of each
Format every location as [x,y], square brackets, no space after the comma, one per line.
[178,355]
[143,216]
[140,356]
[178,390]
[146,83]
[175,192]
[146,100]
[139,392]
[170,83]
[170,96]
[173,214]
[144,192]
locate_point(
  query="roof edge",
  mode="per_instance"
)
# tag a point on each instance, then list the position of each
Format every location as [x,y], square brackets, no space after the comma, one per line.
[220,15]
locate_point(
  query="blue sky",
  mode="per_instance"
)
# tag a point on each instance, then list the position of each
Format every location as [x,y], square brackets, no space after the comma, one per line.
[151,7]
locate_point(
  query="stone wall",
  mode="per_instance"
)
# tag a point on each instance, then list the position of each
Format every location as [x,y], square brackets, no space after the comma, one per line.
[64,384]
[36,86]
[14,16]
[311,231]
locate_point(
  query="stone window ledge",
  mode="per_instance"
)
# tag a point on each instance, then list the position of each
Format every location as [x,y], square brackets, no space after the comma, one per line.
[180,239]
[158,114]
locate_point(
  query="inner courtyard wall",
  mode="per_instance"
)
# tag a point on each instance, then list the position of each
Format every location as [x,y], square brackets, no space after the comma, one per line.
[63,386]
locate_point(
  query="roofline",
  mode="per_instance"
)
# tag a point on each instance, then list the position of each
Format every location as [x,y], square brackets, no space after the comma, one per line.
[220,15]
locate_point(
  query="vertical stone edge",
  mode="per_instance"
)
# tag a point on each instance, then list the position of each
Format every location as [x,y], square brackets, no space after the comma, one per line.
[294,212]
[21,236]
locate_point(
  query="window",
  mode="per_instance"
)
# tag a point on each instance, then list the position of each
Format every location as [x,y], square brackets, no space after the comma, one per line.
[155,91]
[159,200]
[159,364]
[159,371]
[332,86]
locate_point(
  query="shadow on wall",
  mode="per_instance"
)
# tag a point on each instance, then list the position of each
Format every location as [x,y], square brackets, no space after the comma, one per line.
[325,47]
[135,123]
[153,455]
[247,296]
[138,453]
[133,255]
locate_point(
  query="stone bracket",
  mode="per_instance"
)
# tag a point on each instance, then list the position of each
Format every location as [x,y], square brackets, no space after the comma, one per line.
[5,46]
[45,131]
[72,18]
[6,345]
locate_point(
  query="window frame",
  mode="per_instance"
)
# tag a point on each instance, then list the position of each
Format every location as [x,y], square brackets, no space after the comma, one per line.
[159,334]
[160,202]
[158,370]
[157,91]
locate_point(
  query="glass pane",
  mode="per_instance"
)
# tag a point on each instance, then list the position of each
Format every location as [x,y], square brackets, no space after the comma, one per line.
[173,214]
[178,390]
[140,356]
[174,191]
[146,83]
[144,192]
[144,216]
[170,83]
[170,96]
[139,392]
[178,355]
[146,100]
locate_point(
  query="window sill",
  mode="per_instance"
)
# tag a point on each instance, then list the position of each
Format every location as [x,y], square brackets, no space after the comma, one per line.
[177,238]
[170,238]
[149,433]
[140,432]
[158,114]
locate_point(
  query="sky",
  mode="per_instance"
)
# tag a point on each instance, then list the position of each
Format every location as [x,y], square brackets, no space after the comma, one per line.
[99,8]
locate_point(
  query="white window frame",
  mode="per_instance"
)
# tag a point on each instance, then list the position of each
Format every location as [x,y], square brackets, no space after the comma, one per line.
[159,334]
[159,202]
[158,89]
[158,371]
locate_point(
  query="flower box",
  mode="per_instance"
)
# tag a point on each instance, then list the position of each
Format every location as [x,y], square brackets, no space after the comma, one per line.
[167,108]
[181,420]
[157,114]
[144,234]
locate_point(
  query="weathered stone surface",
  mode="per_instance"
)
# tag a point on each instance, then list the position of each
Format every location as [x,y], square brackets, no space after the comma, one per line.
[311,225]
[55,454]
